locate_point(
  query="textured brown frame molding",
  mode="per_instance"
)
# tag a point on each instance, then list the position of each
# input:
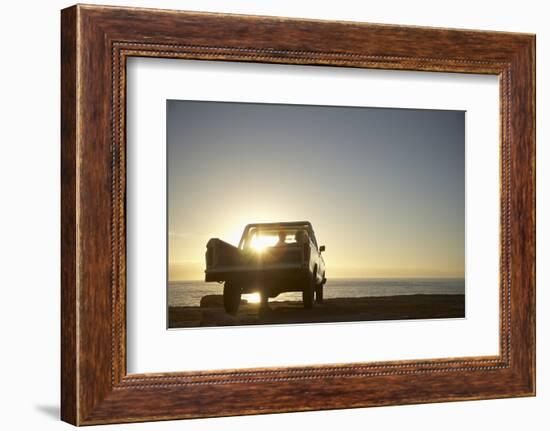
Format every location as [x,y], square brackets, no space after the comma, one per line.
[96,41]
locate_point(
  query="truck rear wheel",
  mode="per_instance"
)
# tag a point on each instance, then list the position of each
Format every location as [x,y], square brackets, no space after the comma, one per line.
[231,297]
[309,291]
[319,294]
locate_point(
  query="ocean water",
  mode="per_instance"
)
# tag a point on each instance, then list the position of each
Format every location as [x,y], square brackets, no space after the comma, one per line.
[189,293]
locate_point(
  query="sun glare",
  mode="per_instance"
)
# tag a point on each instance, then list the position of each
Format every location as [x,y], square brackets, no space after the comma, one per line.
[253,298]
[260,242]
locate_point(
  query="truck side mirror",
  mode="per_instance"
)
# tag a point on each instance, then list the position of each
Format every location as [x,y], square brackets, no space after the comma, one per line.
[321,249]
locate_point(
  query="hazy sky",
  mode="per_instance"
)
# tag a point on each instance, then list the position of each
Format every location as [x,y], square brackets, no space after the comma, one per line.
[383,188]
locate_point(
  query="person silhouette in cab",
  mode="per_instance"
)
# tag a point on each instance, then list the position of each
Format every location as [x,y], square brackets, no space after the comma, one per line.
[282,240]
[301,237]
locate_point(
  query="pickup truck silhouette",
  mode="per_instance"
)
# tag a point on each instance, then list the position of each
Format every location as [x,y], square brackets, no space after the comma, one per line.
[271,258]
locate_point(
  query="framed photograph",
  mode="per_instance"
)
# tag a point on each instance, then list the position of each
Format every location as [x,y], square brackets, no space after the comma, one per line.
[295,161]
[265,215]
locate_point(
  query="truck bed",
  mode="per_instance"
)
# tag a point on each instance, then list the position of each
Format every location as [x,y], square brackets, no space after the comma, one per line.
[224,261]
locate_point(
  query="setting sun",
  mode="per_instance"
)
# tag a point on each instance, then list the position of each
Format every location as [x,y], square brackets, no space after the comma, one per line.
[260,242]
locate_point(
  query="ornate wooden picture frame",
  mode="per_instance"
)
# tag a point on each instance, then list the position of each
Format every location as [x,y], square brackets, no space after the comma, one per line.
[96,41]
